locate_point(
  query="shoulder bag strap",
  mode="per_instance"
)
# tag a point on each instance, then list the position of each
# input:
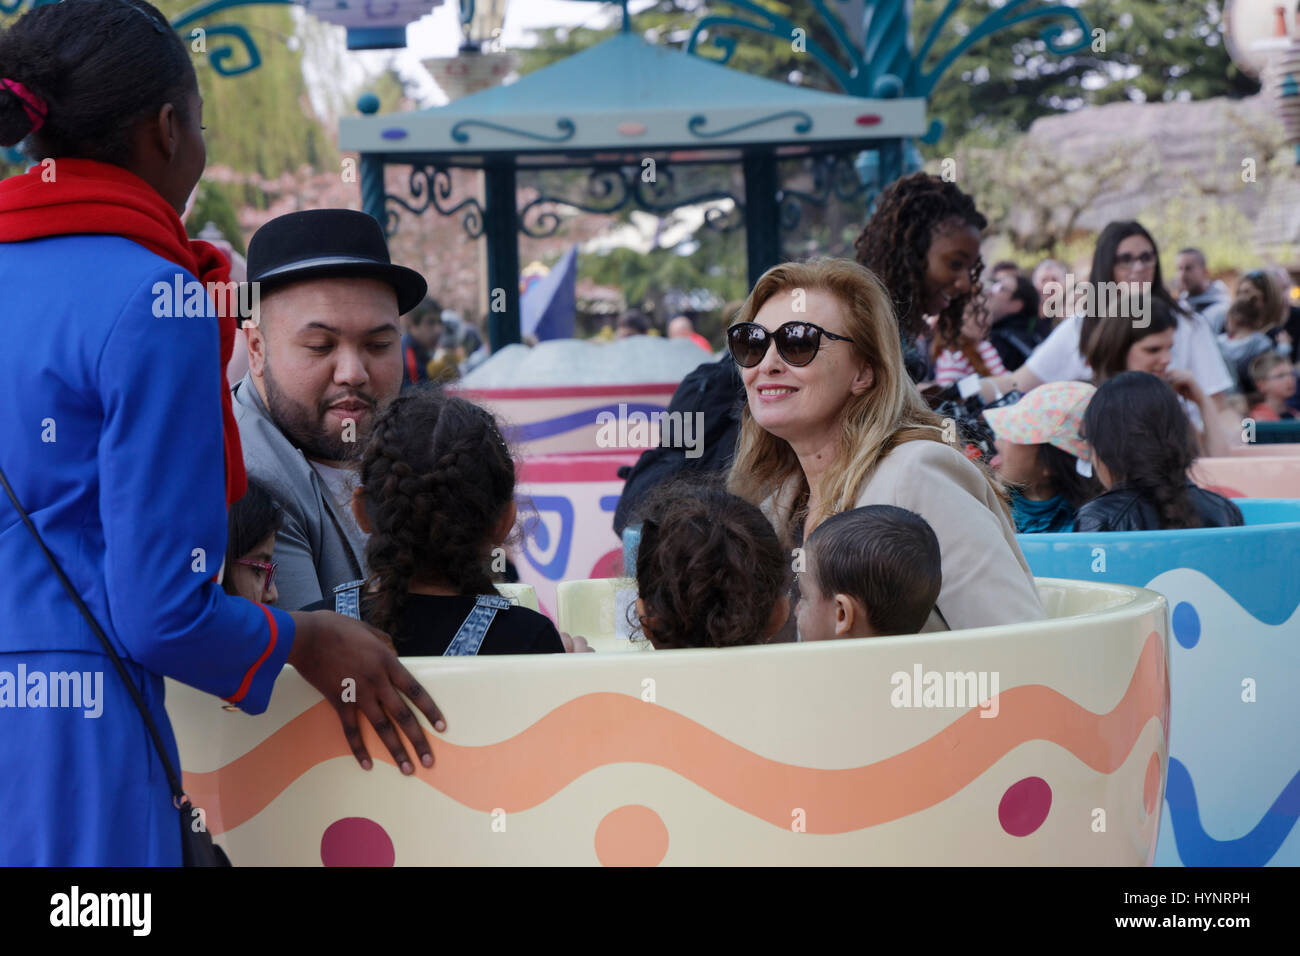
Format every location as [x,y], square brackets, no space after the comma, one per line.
[173,778]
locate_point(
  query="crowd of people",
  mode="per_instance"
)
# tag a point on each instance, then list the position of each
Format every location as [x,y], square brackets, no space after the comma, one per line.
[333,507]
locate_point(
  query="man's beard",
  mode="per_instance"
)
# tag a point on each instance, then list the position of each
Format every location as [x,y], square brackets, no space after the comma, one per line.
[307,429]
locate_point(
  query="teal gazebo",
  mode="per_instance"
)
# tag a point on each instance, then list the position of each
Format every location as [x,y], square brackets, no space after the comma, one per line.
[633,114]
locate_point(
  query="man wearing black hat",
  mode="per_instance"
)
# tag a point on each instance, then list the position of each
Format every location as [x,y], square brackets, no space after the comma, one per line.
[324,357]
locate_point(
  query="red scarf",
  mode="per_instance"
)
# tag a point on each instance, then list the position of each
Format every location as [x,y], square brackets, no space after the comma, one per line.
[91,197]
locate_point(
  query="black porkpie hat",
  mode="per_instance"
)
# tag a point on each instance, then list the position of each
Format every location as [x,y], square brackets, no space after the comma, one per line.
[329,244]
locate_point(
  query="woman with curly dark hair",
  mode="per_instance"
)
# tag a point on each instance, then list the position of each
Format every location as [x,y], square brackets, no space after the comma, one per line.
[437,499]
[923,243]
[710,569]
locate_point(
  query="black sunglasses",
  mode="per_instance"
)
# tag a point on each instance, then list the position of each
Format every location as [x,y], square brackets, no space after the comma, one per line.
[796,342]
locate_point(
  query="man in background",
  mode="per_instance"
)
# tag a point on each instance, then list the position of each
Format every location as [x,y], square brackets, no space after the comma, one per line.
[1197,292]
[423,333]
[683,327]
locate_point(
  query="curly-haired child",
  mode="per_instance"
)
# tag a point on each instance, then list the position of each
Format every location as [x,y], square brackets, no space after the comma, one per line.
[710,570]
[437,498]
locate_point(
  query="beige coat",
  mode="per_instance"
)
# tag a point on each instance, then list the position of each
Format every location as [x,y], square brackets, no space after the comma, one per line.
[985,578]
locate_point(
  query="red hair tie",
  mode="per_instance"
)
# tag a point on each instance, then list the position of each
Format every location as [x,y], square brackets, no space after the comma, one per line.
[33,104]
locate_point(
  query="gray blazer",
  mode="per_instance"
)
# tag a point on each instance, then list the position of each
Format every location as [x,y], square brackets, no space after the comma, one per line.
[318,546]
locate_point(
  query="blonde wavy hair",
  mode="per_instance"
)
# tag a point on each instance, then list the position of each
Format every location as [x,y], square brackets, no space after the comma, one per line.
[891,411]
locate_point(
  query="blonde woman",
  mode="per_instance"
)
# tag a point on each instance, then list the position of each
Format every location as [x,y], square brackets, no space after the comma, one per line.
[833,422]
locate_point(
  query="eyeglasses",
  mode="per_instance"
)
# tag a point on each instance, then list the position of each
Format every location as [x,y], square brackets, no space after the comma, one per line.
[1127,260]
[796,342]
[267,568]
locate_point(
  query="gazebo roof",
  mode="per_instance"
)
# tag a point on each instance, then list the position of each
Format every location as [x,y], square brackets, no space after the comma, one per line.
[627,94]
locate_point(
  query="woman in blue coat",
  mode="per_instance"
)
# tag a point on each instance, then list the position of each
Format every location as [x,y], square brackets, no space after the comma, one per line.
[112,438]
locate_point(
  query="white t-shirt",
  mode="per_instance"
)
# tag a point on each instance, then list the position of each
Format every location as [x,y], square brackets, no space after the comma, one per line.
[1057,358]
[340,482]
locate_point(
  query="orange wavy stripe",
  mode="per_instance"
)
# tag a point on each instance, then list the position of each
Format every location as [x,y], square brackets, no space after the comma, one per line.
[538,762]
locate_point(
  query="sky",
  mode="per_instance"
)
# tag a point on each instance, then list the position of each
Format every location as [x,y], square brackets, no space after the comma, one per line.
[438,34]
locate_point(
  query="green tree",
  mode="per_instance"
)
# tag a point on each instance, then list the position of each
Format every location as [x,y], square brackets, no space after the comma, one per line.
[214,204]
[261,121]
[1151,50]
[258,122]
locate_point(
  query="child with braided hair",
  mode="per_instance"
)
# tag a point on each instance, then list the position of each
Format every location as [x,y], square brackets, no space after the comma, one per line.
[437,499]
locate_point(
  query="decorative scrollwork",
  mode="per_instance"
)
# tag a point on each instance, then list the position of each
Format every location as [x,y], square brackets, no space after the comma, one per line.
[220,55]
[697,122]
[885,67]
[773,24]
[431,187]
[563,124]
[833,175]
[608,189]
[611,188]
[921,82]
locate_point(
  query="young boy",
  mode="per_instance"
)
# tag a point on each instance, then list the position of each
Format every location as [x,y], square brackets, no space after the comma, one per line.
[1275,382]
[869,572]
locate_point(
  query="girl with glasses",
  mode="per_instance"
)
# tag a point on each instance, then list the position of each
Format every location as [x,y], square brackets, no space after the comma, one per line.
[833,422]
[250,546]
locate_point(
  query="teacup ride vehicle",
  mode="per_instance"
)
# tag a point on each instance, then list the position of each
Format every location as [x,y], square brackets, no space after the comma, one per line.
[1252,471]
[1037,744]
[1233,789]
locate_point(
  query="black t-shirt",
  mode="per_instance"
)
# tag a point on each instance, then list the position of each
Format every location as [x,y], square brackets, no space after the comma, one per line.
[431,621]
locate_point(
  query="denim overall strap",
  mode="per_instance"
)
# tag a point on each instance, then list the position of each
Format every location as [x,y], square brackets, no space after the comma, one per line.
[475,627]
[347,599]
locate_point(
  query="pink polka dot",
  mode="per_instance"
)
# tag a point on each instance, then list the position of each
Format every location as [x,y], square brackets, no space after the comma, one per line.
[356,841]
[1151,786]
[1024,806]
[631,836]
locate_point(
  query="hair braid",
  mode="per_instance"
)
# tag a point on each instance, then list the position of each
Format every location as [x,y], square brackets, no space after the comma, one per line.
[1174,504]
[391,551]
[438,478]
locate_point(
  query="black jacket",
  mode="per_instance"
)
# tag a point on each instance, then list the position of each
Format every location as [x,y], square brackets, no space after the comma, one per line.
[714,389]
[1015,337]
[1129,509]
